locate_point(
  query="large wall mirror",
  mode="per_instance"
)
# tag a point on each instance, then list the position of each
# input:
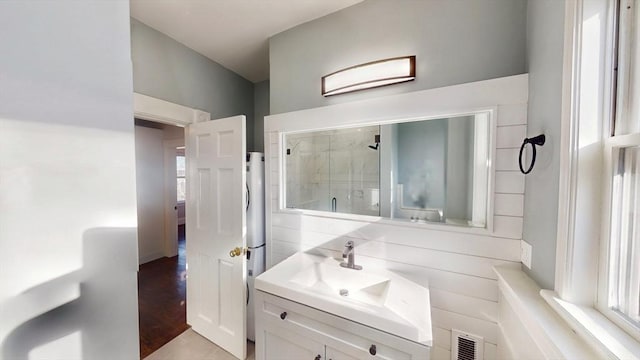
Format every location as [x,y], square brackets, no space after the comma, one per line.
[426,158]
[427,170]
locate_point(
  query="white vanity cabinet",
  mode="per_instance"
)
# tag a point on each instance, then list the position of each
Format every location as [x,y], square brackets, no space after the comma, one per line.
[280,344]
[289,330]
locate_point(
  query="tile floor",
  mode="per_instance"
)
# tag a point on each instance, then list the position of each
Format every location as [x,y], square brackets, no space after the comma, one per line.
[191,346]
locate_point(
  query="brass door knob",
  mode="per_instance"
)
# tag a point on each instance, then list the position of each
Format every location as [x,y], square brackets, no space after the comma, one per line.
[237,251]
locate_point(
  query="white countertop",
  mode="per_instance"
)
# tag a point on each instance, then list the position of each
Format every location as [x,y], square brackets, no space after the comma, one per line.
[378,298]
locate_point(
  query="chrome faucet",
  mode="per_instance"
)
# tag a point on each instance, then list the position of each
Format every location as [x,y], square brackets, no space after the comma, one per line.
[349,254]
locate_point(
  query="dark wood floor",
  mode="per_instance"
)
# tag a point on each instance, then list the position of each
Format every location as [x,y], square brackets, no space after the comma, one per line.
[162,299]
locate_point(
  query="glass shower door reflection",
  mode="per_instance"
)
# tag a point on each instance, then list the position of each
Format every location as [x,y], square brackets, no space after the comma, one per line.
[336,170]
[355,170]
[307,171]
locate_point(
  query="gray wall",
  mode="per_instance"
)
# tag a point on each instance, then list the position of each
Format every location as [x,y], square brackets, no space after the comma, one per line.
[454,41]
[261,109]
[545,29]
[166,69]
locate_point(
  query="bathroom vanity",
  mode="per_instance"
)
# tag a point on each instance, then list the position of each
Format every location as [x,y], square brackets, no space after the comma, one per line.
[425,184]
[310,307]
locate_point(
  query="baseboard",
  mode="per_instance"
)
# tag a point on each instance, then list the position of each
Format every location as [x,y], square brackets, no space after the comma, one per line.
[150,257]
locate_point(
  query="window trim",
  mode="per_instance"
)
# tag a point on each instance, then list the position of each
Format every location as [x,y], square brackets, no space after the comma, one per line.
[581,258]
[568,148]
[612,147]
[571,257]
[178,154]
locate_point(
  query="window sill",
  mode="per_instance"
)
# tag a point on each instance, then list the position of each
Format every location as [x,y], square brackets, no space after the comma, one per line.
[552,335]
[595,328]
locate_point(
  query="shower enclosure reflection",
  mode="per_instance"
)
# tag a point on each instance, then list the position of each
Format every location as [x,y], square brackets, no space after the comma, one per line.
[428,170]
[334,170]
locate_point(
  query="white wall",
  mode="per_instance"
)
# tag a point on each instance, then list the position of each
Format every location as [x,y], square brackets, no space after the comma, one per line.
[173,132]
[150,195]
[67,183]
[457,266]
[175,136]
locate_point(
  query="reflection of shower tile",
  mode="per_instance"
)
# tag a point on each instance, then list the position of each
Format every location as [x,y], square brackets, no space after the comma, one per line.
[336,163]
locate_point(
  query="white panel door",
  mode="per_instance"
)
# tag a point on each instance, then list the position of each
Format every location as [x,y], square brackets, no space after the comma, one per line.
[216,283]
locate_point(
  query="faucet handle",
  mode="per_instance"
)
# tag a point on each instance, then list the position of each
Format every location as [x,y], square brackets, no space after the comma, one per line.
[349,244]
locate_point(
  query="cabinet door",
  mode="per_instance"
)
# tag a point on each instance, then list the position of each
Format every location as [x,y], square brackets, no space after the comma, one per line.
[352,350]
[285,345]
[333,354]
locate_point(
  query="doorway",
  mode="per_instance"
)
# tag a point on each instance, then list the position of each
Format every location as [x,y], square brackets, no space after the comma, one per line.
[160,179]
[219,148]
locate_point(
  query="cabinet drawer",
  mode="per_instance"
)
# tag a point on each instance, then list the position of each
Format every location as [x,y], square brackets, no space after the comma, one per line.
[281,344]
[345,337]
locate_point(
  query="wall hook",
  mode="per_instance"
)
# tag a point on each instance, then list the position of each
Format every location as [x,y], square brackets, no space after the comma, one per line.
[538,140]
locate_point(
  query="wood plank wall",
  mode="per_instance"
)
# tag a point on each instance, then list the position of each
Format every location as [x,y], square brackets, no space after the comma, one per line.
[457,266]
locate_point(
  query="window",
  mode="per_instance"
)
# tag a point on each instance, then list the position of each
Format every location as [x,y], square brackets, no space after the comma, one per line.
[624,253]
[598,243]
[181,180]
[619,296]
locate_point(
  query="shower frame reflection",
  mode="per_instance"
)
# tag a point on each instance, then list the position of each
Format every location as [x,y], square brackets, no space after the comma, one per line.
[432,169]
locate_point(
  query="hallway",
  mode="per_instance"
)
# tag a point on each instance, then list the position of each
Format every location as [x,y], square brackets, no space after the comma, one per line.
[162,299]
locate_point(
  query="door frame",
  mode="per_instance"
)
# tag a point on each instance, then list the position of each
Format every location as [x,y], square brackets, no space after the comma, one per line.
[161,111]
[153,109]
[170,244]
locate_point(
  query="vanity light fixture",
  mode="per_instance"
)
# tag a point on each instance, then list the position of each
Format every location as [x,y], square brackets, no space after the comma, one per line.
[370,75]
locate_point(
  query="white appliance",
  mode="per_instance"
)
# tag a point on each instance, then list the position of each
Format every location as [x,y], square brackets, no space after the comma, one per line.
[255,231]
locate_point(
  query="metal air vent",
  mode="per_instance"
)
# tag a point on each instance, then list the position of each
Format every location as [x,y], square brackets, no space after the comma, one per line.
[466,346]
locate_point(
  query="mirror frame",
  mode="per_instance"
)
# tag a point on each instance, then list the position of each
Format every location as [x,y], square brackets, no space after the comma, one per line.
[479,208]
[458,100]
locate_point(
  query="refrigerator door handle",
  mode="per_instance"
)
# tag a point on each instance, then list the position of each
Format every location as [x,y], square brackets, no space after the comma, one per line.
[248,196]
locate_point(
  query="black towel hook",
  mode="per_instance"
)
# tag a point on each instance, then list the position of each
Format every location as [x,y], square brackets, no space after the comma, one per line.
[538,140]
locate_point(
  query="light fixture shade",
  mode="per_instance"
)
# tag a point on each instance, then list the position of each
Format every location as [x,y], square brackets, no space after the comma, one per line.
[370,75]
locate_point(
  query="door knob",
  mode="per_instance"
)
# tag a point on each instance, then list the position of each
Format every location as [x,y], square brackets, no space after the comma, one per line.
[237,251]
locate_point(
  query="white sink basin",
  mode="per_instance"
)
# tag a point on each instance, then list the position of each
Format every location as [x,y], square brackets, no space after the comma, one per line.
[372,296]
[329,279]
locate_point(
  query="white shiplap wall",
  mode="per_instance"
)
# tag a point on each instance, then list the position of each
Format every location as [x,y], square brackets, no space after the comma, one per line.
[456,264]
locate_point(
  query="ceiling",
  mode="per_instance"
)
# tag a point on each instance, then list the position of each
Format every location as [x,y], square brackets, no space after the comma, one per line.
[233,33]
